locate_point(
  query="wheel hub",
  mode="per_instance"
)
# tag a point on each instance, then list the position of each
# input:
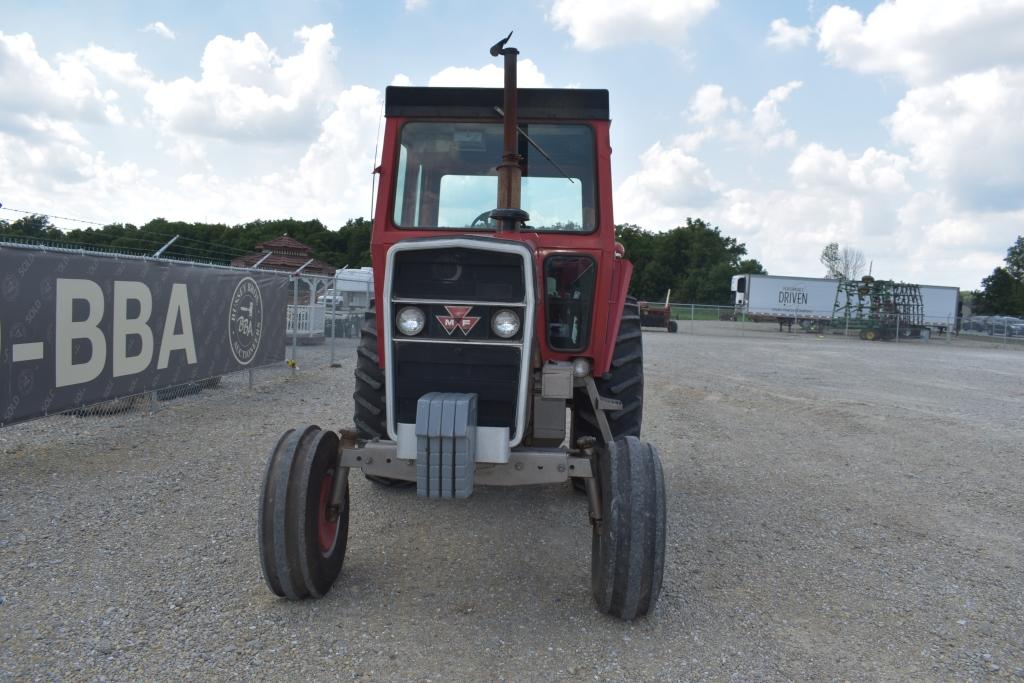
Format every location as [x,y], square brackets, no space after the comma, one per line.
[327,520]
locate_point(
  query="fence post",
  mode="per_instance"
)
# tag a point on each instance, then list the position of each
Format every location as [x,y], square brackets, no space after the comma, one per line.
[334,320]
[897,328]
[691,318]
[295,323]
[250,379]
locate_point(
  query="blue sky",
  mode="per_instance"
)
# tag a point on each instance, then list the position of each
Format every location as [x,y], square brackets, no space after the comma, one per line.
[894,128]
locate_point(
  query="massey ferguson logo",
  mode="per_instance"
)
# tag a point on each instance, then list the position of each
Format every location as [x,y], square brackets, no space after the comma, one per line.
[458,318]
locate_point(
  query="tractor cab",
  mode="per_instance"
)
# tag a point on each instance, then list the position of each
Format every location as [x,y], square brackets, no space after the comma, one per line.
[501,348]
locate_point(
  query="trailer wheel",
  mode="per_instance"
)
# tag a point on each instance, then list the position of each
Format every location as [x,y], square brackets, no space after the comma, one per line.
[624,381]
[370,408]
[673,326]
[302,539]
[871,334]
[628,546]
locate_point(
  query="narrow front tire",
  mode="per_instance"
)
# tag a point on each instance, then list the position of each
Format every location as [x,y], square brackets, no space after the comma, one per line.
[302,538]
[628,546]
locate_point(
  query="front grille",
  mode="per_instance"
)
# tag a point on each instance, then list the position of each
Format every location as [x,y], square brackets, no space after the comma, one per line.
[459,274]
[489,371]
[458,280]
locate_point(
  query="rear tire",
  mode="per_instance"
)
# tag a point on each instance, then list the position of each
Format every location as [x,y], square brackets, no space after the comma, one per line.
[302,541]
[369,397]
[624,381]
[673,326]
[628,546]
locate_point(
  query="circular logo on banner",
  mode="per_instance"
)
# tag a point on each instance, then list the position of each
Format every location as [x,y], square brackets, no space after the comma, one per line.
[245,321]
[9,288]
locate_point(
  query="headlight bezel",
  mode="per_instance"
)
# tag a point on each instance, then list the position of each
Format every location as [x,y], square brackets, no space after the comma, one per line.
[414,310]
[515,317]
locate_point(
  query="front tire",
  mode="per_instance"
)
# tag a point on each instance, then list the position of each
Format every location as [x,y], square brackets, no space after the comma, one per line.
[302,539]
[628,546]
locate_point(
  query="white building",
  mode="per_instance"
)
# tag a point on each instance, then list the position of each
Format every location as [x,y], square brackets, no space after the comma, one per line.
[354,287]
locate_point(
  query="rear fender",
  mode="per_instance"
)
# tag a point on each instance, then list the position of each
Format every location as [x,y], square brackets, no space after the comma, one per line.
[622,273]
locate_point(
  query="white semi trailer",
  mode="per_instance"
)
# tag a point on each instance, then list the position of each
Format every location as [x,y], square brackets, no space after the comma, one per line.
[810,301]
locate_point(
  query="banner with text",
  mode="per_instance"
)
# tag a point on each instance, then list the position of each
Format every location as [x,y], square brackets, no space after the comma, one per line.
[78,328]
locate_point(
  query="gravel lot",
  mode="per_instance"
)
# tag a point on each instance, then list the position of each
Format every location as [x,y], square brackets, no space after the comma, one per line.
[837,510]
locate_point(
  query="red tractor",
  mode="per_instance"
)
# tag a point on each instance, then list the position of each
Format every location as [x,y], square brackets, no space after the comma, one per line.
[658,315]
[488,323]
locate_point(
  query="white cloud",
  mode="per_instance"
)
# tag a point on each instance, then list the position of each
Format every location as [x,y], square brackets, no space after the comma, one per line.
[874,171]
[69,92]
[50,166]
[923,41]
[709,102]
[413,5]
[785,36]
[488,76]
[769,125]
[121,67]
[247,91]
[595,24]
[968,133]
[670,186]
[161,29]
[725,118]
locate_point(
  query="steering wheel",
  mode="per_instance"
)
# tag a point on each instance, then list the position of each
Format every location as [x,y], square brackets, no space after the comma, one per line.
[482,219]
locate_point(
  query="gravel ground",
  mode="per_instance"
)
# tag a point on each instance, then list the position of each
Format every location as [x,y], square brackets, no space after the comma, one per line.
[837,510]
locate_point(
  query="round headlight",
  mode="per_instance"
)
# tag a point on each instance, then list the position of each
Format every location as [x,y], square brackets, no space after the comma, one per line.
[410,321]
[580,367]
[505,323]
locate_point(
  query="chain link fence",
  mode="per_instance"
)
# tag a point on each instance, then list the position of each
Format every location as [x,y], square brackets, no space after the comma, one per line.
[703,319]
[322,331]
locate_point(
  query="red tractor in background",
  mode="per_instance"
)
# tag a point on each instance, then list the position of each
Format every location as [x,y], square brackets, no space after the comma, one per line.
[658,315]
[488,323]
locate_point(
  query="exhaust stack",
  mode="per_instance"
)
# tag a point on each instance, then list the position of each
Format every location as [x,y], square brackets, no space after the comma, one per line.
[509,216]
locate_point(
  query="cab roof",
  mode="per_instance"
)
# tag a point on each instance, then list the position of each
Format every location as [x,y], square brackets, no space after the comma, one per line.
[479,103]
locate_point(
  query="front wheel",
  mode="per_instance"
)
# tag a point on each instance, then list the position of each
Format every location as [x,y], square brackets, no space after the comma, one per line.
[628,546]
[302,538]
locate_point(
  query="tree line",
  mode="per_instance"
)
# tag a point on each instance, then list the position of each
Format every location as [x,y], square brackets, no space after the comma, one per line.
[695,261]
[214,242]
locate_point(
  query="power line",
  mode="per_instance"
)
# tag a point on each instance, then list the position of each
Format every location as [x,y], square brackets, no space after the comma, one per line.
[50,215]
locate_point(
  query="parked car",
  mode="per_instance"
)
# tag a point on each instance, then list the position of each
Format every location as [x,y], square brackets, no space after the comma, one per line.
[1004,326]
[330,297]
[975,324]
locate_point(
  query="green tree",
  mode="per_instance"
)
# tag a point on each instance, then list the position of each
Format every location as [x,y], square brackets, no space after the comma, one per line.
[33,226]
[696,261]
[216,242]
[1002,292]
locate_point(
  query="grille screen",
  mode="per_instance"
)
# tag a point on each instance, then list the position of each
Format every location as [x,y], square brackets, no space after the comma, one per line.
[490,372]
[459,275]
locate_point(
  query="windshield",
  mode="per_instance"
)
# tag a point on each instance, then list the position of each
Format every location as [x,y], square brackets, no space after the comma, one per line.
[447,176]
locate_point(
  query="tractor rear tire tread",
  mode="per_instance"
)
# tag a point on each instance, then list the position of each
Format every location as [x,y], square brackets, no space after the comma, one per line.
[624,382]
[370,404]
